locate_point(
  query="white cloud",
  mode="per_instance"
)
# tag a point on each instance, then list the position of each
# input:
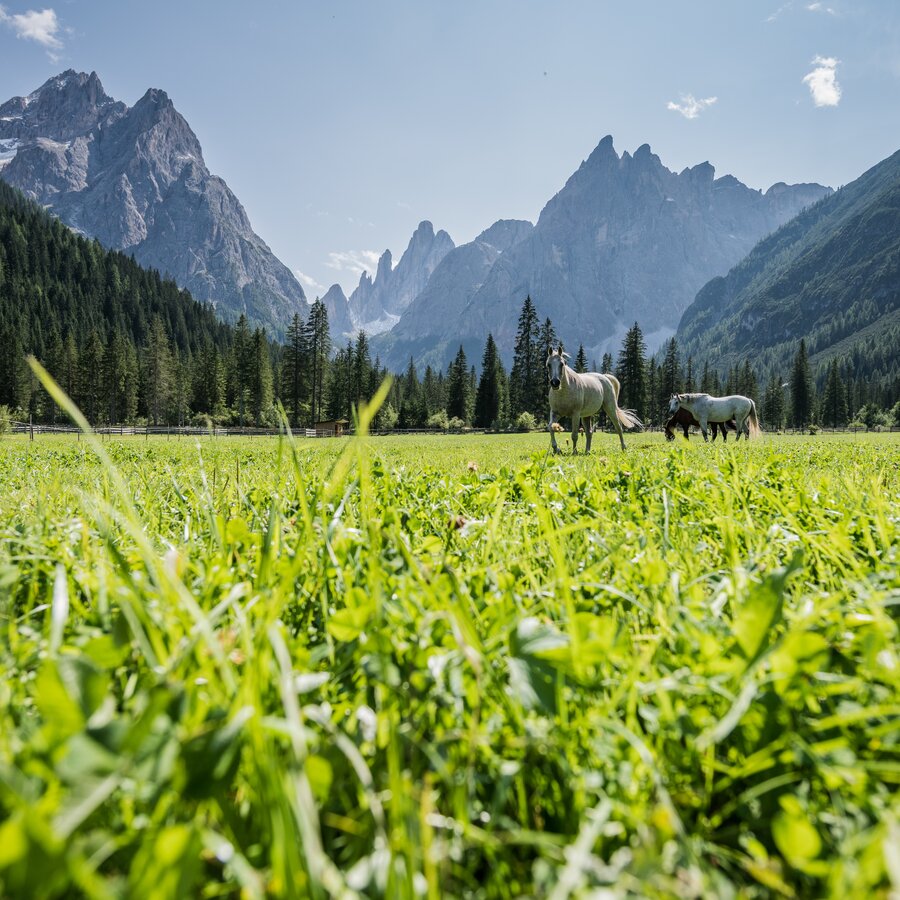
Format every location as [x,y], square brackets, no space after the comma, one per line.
[355,261]
[779,11]
[308,281]
[690,107]
[818,7]
[41,26]
[822,81]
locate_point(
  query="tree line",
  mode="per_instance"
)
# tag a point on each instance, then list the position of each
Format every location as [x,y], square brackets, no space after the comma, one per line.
[796,399]
[129,346]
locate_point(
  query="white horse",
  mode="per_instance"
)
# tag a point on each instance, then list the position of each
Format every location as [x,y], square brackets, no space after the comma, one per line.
[706,409]
[582,396]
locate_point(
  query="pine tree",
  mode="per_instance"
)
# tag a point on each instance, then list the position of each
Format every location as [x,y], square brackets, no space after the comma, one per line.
[115,378]
[458,387]
[318,339]
[632,372]
[606,366]
[293,369]
[801,389]
[489,396]
[546,340]
[526,380]
[241,368]
[773,404]
[433,399]
[581,360]
[689,384]
[91,387]
[670,376]
[209,381]
[260,379]
[361,370]
[834,401]
[747,384]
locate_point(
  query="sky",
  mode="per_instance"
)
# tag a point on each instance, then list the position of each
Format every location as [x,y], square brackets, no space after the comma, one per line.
[341,124]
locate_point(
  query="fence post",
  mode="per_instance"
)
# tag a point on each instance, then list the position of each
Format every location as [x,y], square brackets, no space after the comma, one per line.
[30,427]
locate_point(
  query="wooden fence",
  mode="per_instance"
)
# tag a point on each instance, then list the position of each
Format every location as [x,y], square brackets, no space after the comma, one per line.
[174,431]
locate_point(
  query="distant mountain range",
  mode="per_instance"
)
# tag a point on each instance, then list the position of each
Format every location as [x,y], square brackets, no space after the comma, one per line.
[831,276]
[625,240]
[135,179]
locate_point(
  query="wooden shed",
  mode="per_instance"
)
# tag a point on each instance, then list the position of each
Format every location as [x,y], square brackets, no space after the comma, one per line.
[332,428]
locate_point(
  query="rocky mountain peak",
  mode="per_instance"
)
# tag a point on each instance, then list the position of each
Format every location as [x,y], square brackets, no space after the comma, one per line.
[135,179]
[625,239]
[603,154]
[377,304]
[505,233]
[63,107]
[338,308]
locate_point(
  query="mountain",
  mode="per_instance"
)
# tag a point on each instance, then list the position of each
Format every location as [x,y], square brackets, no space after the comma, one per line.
[625,239]
[831,276]
[447,294]
[377,303]
[340,322]
[135,179]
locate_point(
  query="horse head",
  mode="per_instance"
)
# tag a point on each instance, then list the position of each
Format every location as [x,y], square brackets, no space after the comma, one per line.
[674,403]
[556,363]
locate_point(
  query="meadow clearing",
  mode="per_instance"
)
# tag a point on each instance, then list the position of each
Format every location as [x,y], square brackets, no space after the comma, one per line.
[449,666]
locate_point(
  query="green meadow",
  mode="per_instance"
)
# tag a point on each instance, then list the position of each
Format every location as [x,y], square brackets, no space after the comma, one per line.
[449,666]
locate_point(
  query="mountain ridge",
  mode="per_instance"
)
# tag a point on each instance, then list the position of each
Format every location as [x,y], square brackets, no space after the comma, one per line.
[830,276]
[624,239]
[135,179]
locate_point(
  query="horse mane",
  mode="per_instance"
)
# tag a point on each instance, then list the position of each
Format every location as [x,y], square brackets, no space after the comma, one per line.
[694,396]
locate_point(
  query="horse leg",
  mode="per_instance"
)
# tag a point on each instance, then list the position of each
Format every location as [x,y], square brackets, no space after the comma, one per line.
[612,415]
[576,420]
[588,433]
[704,428]
[715,431]
[553,445]
[687,429]
[740,428]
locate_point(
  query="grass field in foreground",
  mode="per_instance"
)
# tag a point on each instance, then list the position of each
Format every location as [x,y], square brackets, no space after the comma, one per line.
[449,666]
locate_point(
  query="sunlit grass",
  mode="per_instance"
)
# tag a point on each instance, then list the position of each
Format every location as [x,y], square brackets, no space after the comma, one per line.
[449,666]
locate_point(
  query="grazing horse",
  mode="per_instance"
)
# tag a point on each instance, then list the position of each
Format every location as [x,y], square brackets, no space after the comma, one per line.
[686,420]
[719,409]
[582,396]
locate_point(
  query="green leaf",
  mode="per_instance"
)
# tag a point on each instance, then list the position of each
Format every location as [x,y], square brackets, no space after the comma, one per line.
[348,624]
[762,611]
[795,837]
[535,647]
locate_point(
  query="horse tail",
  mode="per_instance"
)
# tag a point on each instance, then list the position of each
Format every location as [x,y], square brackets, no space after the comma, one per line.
[754,421]
[615,383]
[628,418]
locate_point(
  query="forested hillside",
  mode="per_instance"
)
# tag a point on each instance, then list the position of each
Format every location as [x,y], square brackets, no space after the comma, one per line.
[124,342]
[831,276]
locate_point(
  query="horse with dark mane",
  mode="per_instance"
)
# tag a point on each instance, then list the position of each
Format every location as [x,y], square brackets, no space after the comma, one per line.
[684,419]
[582,396]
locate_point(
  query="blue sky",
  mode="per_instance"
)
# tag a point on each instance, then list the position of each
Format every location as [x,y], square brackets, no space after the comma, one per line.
[340,125]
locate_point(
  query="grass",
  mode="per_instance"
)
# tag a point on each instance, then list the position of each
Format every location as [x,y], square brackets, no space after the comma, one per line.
[449,666]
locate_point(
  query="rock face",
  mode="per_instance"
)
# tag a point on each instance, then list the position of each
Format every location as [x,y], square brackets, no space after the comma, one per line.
[443,302]
[625,239]
[377,303]
[340,324]
[135,179]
